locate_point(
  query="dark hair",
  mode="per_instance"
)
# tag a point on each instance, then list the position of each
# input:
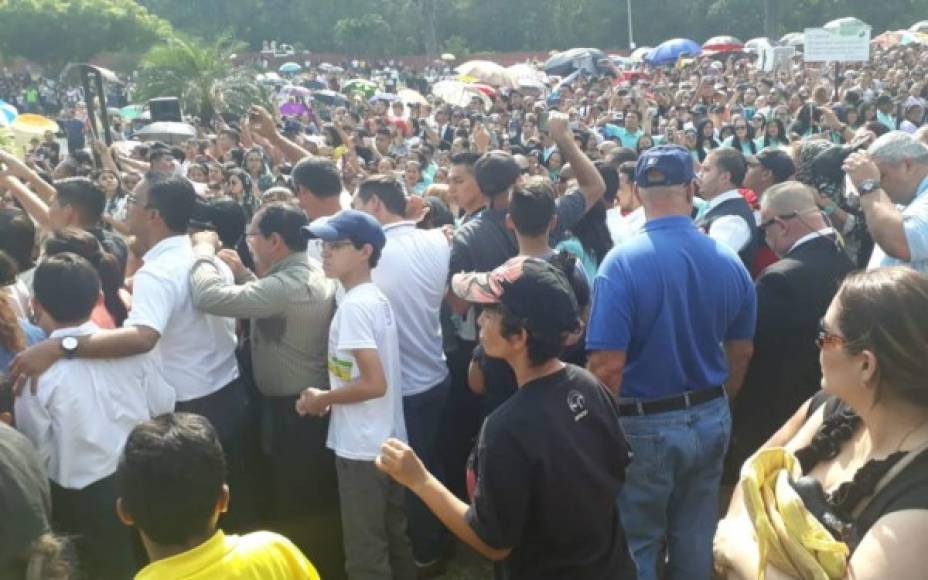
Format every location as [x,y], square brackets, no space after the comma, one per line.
[286,220]
[83,195]
[235,135]
[173,197]
[228,219]
[374,258]
[67,286]
[877,128]
[156,154]
[621,155]
[593,233]
[388,189]
[439,214]
[781,134]
[319,175]
[532,206]
[17,237]
[87,246]
[731,161]
[466,158]
[886,311]
[628,169]
[541,347]
[170,477]
[701,140]
[610,177]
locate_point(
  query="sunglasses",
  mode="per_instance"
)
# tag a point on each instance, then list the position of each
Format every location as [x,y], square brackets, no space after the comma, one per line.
[739,127]
[825,338]
[763,227]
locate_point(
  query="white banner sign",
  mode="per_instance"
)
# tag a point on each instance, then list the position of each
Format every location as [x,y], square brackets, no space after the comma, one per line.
[845,44]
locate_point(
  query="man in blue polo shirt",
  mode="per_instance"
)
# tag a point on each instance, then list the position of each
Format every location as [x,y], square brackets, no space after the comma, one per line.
[670,334]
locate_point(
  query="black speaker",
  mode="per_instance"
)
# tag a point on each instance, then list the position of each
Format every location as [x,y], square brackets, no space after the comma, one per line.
[165,109]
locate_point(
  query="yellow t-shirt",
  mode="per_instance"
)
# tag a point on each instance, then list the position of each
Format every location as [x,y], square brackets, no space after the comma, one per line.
[258,556]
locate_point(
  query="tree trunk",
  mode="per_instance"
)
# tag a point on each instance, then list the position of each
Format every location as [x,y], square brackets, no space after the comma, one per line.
[431,36]
[770,19]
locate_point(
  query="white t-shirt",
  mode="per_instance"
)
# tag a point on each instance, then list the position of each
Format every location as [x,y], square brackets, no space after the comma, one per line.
[624,227]
[196,350]
[411,273]
[364,320]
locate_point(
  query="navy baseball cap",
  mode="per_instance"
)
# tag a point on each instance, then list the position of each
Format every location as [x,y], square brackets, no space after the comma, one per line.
[664,165]
[348,224]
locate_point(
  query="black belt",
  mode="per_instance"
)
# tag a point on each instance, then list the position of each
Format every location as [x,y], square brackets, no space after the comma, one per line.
[672,403]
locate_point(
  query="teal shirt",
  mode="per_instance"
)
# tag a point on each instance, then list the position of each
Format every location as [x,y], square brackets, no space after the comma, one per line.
[575,248]
[627,138]
[745,146]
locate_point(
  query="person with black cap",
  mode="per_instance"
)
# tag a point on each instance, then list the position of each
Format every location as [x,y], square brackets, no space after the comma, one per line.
[766,169]
[670,333]
[365,399]
[541,509]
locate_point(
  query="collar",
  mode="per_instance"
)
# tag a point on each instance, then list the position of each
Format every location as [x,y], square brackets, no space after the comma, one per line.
[822,233]
[397,227]
[189,562]
[86,328]
[295,258]
[718,200]
[922,188]
[674,222]
[169,244]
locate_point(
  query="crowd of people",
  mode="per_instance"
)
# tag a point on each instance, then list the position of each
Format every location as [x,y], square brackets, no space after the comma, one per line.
[559,328]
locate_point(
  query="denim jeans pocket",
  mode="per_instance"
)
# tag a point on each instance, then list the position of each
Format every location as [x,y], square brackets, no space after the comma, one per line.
[646,456]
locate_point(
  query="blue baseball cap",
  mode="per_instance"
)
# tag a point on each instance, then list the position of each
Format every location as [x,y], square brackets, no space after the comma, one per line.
[348,224]
[664,165]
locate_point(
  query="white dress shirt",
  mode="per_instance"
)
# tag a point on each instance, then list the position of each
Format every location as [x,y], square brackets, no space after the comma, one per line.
[411,273]
[84,409]
[730,230]
[624,227]
[196,350]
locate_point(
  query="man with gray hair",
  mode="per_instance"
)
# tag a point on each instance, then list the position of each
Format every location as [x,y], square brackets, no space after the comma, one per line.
[894,172]
[792,296]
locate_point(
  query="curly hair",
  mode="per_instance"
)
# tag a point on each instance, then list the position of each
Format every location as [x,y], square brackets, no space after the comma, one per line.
[11,335]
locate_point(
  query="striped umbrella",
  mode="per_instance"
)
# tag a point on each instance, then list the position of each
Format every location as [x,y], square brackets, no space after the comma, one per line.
[7,113]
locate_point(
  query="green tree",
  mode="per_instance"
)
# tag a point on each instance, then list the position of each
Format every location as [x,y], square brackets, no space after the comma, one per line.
[202,76]
[53,32]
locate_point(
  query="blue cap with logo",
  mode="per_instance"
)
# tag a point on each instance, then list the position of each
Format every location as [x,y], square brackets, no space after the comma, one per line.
[664,165]
[348,224]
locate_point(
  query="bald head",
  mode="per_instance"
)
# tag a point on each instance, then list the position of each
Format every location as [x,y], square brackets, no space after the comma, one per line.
[789,197]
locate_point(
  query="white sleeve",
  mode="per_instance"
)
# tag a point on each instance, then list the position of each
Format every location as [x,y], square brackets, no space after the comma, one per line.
[152,302]
[356,326]
[732,231]
[34,421]
[915,226]
[159,394]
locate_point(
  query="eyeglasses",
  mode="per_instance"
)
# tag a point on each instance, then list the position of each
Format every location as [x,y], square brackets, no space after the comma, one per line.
[333,246]
[825,338]
[763,227]
[740,127]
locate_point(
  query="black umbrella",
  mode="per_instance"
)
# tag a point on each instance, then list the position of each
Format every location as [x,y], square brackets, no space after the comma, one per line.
[564,63]
[314,84]
[327,97]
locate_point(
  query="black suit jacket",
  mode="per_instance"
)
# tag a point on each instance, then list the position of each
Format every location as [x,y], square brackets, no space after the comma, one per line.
[792,296]
[446,136]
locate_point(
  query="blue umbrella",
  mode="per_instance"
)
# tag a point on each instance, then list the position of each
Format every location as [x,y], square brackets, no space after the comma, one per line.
[290,67]
[668,52]
[7,113]
[388,97]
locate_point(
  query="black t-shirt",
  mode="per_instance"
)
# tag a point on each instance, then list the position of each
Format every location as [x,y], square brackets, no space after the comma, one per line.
[550,462]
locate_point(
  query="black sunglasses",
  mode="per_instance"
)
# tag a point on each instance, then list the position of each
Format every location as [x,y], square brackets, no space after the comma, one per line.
[763,227]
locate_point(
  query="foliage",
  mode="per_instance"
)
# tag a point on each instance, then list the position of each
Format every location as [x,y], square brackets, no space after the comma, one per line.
[54,32]
[202,76]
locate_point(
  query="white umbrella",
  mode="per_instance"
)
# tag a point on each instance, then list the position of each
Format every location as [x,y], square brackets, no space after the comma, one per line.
[526,72]
[411,97]
[639,54]
[921,26]
[459,94]
[170,132]
[487,72]
[793,39]
[839,23]
[448,57]
[534,87]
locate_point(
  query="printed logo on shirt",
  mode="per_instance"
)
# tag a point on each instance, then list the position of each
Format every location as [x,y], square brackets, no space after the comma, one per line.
[341,368]
[577,405]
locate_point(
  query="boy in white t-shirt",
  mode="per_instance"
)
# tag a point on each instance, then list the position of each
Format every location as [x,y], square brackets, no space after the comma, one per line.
[365,400]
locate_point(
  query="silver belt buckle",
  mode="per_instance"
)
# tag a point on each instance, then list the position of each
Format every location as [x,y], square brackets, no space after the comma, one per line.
[686,399]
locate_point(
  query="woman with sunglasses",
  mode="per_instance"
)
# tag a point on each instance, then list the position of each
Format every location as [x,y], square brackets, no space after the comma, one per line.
[773,136]
[863,438]
[743,137]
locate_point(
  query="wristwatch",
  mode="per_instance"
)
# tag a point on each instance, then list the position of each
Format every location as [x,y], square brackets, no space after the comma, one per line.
[868,186]
[69,346]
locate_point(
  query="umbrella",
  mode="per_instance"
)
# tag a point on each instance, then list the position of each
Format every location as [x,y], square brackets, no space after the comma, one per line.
[532,87]
[487,72]
[290,109]
[290,68]
[269,78]
[669,51]
[486,89]
[523,72]
[170,132]
[721,44]
[640,54]
[360,86]
[840,23]
[7,113]
[327,97]
[757,44]
[296,91]
[386,97]
[564,63]
[459,94]
[921,26]
[410,97]
[314,84]
[33,124]
[448,57]
[793,39]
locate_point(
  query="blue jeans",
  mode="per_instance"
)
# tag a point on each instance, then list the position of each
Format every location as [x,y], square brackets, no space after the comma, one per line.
[422,413]
[671,492]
